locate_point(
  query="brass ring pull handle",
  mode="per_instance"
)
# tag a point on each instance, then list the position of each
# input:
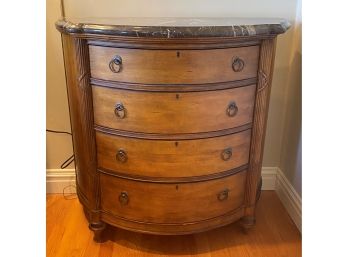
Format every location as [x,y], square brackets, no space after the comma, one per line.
[115,64]
[226,154]
[120,111]
[237,64]
[223,195]
[123,198]
[232,109]
[121,156]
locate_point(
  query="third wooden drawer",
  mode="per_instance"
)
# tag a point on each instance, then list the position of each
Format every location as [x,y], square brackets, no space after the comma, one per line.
[171,158]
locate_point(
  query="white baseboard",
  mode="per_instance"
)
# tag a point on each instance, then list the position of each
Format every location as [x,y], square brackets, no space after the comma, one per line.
[269,176]
[58,180]
[290,199]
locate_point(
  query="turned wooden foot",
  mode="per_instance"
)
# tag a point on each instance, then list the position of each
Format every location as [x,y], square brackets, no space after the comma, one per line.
[247,223]
[98,229]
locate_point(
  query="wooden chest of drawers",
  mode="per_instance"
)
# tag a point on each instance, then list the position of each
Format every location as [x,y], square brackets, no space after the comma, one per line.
[168,121]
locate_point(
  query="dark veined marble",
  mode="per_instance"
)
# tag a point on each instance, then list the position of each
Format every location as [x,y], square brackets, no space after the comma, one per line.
[175,27]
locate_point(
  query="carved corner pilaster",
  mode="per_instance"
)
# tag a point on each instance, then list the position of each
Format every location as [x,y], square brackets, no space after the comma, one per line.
[267,51]
[262,80]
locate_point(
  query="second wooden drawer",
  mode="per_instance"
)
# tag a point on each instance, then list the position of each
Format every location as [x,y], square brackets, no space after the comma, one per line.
[173,112]
[166,158]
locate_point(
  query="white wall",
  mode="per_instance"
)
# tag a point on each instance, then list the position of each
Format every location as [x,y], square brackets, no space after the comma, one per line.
[291,153]
[58,147]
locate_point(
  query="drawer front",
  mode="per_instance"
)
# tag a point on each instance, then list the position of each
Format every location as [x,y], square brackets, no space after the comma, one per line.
[173,66]
[162,158]
[192,112]
[171,203]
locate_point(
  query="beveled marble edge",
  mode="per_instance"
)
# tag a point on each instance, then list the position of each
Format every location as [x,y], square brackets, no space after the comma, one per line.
[175,27]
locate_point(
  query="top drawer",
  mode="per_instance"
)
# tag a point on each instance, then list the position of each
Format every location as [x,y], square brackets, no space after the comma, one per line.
[173,66]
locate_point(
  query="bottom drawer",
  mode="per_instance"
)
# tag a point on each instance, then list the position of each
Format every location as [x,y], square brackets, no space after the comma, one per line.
[171,202]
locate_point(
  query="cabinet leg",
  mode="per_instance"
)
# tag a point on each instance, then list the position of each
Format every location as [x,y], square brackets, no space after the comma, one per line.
[98,229]
[247,223]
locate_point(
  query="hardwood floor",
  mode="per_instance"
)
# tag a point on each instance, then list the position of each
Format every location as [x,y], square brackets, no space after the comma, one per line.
[274,235]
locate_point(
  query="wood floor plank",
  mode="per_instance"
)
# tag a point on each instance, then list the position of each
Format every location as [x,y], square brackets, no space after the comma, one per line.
[273,235]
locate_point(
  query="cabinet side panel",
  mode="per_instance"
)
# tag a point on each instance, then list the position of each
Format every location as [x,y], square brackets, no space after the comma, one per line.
[265,71]
[81,117]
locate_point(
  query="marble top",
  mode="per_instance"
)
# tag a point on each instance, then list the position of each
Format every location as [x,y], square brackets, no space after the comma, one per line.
[175,27]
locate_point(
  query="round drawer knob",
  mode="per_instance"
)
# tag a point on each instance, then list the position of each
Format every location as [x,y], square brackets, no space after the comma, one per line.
[121,156]
[115,64]
[237,64]
[226,154]
[223,195]
[123,198]
[120,111]
[232,109]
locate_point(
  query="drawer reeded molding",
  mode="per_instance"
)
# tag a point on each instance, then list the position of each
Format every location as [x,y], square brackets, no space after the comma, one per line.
[174,87]
[173,180]
[183,136]
[178,44]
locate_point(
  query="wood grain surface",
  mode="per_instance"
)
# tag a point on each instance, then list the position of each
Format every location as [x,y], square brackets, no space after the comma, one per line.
[174,66]
[153,112]
[274,234]
[173,229]
[162,158]
[172,203]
